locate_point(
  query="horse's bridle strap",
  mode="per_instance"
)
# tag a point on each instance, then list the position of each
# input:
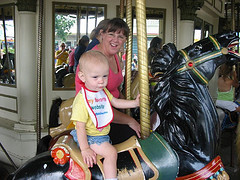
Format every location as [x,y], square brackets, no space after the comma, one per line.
[192,63]
[198,60]
[200,76]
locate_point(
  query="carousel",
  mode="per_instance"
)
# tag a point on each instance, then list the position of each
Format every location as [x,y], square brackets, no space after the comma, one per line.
[174,95]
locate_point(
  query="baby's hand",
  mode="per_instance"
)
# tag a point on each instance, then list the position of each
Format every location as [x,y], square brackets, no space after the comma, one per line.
[138,100]
[89,157]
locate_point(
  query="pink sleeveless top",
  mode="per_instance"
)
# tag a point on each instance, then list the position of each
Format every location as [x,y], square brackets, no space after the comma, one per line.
[114,79]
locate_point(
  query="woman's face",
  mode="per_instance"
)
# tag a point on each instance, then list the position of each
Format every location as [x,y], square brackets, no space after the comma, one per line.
[113,42]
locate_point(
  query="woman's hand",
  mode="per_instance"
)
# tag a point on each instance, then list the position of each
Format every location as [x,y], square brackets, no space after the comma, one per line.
[89,157]
[122,118]
[136,127]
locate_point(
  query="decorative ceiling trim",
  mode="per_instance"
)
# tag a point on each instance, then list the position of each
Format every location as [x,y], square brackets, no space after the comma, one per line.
[27,5]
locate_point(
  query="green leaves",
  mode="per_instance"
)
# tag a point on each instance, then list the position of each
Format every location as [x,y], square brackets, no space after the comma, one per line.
[63,24]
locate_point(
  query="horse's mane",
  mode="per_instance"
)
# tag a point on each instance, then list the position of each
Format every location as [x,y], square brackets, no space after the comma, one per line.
[176,106]
[176,100]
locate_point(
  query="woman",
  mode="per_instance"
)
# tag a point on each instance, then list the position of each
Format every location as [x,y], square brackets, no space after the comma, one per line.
[227,82]
[114,35]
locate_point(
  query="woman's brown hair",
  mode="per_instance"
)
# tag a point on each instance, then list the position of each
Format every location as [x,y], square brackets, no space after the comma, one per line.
[226,71]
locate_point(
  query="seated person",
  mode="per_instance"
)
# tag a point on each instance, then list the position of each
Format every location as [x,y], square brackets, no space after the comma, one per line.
[116,29]
[227,82]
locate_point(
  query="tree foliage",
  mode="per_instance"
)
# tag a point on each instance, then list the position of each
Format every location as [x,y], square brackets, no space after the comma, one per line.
[63,24]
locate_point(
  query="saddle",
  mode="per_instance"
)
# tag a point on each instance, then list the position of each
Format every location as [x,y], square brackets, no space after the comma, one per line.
[137,159]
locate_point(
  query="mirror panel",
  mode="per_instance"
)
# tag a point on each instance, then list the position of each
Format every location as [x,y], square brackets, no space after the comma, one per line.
[7,51]
[72,21]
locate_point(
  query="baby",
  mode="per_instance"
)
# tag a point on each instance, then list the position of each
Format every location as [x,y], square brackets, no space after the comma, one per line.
[92,112]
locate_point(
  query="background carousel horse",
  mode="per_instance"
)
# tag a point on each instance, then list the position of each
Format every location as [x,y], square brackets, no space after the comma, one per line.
[192,131]
[188,118]
[63,78]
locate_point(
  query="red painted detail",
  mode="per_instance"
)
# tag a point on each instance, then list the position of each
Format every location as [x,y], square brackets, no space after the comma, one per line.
[190,64]
[75,172]
[206,172]
[60,156]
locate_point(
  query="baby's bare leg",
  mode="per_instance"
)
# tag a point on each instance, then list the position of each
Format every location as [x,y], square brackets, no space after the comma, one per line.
[109,153]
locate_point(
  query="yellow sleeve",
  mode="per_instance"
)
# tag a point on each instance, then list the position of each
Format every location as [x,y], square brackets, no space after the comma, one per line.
[79,110]
[110,96]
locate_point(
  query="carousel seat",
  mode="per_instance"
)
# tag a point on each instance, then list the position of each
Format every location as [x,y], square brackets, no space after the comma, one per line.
[66,150]
[67,142]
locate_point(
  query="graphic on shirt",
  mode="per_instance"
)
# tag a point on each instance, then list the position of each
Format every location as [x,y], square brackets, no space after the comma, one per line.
[99,107]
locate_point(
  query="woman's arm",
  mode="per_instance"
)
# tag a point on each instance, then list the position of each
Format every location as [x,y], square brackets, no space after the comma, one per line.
[89,156]
[121,118]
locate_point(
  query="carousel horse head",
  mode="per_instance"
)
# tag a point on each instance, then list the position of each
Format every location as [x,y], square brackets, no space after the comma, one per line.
[188,118]
[208,49]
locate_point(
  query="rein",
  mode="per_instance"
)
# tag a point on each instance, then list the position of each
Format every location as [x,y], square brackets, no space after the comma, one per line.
[192,63]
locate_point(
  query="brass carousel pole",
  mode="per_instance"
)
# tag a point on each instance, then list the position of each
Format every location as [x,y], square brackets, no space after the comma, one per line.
[39,70]
[175,22]
[122,9]
[233,14]
[143,68]
[129,53]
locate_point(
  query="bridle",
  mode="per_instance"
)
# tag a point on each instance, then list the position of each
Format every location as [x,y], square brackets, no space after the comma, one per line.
[192,63]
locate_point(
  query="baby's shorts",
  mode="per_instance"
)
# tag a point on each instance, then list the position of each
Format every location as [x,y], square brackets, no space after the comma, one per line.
[92,139]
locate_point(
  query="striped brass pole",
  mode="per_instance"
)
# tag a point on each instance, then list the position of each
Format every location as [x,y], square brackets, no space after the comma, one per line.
[122,9]
[233,14]
[121,15]
[175,22]
[129,53]
[143,68]
[39,70]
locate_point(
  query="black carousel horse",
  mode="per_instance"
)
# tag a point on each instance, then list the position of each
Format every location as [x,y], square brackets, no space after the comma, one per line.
[189,123]
[188,117]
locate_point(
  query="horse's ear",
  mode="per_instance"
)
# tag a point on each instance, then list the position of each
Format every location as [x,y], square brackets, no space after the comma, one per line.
[163,59]
[170,48]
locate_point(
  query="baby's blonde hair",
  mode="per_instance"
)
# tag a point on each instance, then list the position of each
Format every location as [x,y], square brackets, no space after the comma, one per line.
[92,56]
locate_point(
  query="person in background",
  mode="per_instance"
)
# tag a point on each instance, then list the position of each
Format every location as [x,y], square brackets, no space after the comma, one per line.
[71,61]
[92,124]
[155,47]
[61,55]
[135,63]
[113,36]
[95,35]
[227,82]
[80,49]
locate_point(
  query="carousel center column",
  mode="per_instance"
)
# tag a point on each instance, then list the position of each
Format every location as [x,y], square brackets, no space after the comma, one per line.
[188,13]
[27,65]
